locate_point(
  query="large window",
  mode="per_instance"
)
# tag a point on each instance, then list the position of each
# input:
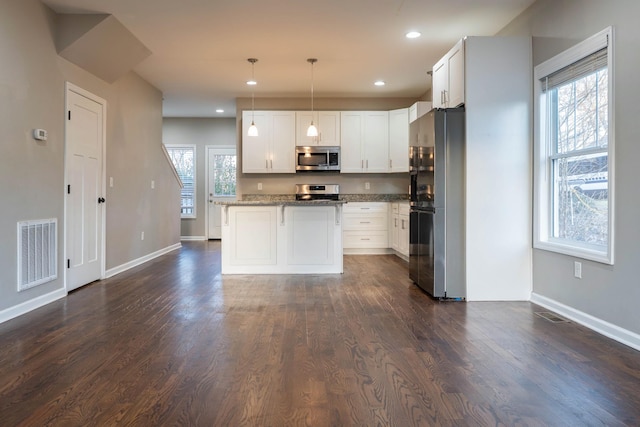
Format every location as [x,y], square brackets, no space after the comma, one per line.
[184,159]
[574,206]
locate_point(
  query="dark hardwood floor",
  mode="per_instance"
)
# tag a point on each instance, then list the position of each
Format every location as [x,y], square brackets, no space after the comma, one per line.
[173,343]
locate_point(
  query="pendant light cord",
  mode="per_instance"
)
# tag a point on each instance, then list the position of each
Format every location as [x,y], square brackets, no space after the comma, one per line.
[312,61]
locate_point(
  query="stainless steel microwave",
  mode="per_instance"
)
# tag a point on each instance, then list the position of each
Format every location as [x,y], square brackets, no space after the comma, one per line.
[318,158]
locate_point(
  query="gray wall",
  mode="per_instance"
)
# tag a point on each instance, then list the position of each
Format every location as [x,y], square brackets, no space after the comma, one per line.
[609,293]
[32,95]
[200,132]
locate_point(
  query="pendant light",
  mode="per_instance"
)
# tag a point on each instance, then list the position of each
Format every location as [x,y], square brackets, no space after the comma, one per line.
[313,130]
[253,130]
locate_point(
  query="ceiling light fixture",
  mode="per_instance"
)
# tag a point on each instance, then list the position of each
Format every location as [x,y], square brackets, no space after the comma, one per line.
[253,130]
[379,83]
[219,111]
[413,34]
[313,130]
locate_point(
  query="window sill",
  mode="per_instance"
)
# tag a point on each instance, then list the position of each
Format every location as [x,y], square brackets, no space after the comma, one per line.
[575,251]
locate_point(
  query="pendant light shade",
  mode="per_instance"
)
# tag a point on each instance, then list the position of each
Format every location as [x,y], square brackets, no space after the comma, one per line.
[312,130]
[253,130]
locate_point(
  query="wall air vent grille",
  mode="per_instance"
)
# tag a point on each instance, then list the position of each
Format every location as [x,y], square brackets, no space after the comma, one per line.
[37,249]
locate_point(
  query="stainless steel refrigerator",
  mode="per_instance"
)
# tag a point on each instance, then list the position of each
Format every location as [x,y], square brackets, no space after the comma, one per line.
[436,169]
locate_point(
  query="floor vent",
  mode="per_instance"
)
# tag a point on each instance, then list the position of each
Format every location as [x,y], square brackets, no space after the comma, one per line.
[37,249]
[551,317]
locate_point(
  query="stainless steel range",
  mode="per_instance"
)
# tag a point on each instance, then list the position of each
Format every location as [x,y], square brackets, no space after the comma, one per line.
[317,192]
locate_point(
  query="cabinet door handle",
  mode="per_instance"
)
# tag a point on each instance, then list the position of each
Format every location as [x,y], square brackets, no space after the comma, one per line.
[402,226]
[266,163]
[395,222]
[367,163]
[365,222]
[361,164]
[271,163]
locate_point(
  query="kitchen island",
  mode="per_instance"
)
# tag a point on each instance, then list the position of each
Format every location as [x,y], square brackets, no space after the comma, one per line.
[282,237]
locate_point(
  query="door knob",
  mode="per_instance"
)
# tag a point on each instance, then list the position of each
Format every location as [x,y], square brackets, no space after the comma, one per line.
[101,200]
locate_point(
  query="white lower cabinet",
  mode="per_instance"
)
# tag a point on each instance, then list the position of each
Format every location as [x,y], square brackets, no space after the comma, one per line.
[311,238]
[252,239]
[282,239]
[399,228]
[365,227]
[403,238]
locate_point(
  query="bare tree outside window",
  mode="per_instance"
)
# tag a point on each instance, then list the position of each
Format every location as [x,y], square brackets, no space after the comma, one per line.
[580,135]
[183,158]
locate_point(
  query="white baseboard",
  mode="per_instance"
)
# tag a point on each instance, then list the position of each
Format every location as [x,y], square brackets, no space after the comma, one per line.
[27,306]
[192,238]
[136,262]
[367,251]
[605,328]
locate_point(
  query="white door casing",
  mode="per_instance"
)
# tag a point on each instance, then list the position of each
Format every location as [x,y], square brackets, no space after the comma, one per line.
[214,212]
[84,175]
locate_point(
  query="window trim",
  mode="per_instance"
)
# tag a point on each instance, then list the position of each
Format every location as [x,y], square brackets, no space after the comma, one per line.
[543,201]
[195,177]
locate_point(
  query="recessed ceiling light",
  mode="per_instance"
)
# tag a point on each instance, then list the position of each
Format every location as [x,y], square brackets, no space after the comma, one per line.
[219,110]
[252,82]
[413,34]
[379,83]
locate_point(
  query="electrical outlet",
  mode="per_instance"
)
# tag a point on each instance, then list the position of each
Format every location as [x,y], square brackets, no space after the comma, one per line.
[111,181]
[367,186]
[577,270]
[153,184]
[259,186]
[142,236]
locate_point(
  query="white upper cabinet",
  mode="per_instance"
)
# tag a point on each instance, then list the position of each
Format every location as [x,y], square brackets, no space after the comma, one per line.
[365,141]
[399,140]
[418,110]
[448,78]
[328,124]
[273,150]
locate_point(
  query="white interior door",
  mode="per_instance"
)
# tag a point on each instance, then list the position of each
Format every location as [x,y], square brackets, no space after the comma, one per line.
[84,178]
[221,185]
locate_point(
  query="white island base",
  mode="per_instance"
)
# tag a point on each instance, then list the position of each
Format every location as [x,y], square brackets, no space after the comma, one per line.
[295,238]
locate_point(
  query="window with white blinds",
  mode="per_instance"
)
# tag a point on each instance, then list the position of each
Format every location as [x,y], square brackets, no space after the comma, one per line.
[184,160]
[574,141]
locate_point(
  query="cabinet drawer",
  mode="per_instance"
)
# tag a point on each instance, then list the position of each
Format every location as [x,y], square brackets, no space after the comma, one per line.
[365,239]
[403,208]
[365,207]
[374,221]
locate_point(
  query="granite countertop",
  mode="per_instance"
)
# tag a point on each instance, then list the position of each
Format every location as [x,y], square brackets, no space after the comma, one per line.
[290,200]
[275,202]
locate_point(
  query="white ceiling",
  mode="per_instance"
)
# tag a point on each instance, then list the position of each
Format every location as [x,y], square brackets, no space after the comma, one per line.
[200,47]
